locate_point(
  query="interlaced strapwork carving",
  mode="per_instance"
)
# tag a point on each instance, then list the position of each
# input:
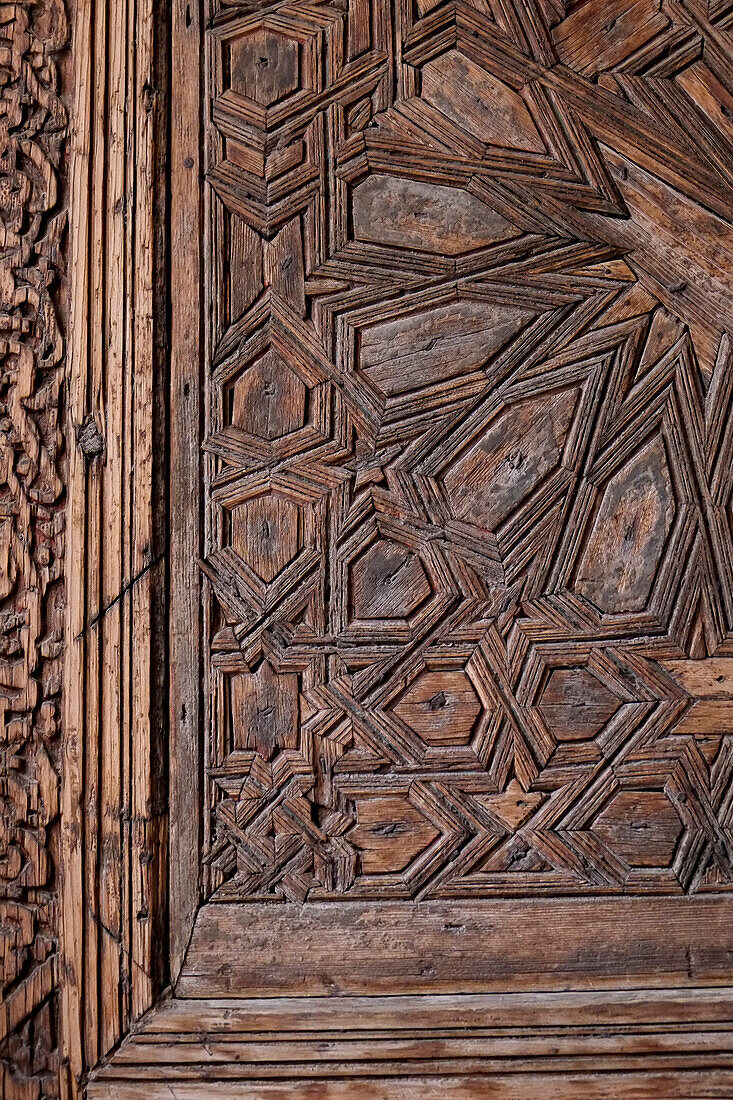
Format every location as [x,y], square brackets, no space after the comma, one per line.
[469,450]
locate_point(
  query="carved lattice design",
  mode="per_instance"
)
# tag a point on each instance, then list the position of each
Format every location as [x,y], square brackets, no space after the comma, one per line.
[469,450]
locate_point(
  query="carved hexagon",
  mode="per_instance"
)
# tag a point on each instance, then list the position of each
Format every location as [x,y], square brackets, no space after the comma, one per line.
[265,533]
[441,706]
[576,705]
[268,399]
[263,65]
[641,826]
[390,833]
[427,216]
[388,581]
[267,70]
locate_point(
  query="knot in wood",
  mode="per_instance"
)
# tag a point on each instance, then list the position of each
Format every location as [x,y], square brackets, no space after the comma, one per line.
[89,438]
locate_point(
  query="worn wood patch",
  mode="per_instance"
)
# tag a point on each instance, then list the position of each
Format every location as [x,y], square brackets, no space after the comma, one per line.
[339,948]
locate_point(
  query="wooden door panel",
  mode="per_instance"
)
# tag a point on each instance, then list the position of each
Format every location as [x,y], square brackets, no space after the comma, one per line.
[419,312]
[467,454]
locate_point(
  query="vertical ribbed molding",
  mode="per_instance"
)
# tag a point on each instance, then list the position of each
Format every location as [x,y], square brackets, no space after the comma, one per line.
[114,782]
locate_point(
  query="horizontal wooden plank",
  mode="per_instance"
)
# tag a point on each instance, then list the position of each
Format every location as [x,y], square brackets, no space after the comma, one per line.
[176,1072]
[435,947]
[589,1044]
[356,1057]
[439,1013]
[710,1084]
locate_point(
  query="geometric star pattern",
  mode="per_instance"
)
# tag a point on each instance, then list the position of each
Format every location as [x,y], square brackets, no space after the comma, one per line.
[468,450]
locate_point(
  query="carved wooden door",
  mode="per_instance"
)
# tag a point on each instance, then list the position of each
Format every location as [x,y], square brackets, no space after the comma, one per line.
[451,707]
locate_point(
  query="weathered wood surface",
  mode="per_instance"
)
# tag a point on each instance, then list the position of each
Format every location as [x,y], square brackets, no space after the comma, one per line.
[33,129]
[478,1046]
[450,294]
[114,893]
[644,1085]
[452,947]
[184,695]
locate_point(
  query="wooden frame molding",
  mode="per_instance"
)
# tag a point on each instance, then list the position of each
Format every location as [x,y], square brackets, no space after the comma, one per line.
[186,327]
[345,948]
[586,1045]
[114,858]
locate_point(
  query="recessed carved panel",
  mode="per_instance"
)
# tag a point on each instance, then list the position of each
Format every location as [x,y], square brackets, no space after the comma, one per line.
[479,102]
[468,448]
[387,582]
[427,349]
[389,833]
[264,710]
[628,534]
[263,65]
[576,704]
[641,827]
[265,534]
[425,216]
[509,459]
[268,400]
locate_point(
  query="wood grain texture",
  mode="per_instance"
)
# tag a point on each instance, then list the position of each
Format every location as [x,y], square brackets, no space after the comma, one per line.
[114,804]
[644,1085]
[582,1044]
[33,199]
[332,949]
[184,695]
[467,439]
[447,434]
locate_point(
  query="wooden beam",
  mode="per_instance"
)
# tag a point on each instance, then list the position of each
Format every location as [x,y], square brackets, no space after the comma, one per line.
[340,948]
[185,412]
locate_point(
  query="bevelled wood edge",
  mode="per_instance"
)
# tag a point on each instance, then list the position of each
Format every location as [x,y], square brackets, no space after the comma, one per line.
[648,1043]
[114,803]
[457,947]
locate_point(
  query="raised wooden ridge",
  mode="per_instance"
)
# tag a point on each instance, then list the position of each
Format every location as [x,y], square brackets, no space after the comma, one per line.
[589,1044]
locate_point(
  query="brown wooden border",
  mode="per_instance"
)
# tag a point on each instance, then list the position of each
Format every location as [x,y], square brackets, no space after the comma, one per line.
[584,1045]
[114,857]
[344,948]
